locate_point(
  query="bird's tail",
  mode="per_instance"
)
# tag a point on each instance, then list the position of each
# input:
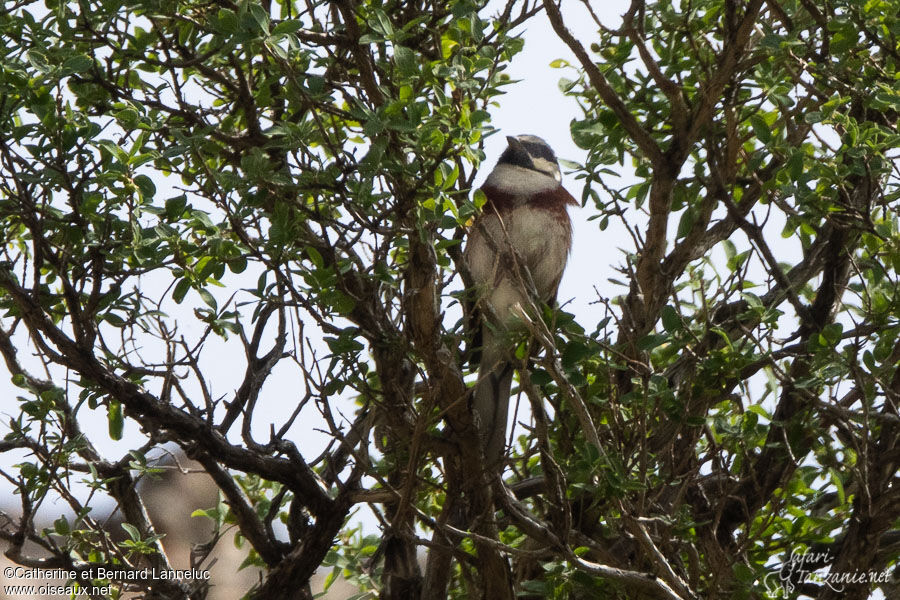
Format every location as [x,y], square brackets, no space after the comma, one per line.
[491,404]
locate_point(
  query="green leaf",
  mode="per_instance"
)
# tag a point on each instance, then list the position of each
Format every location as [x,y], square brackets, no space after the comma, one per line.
[759,410]
[761,128]
[175,207]
[78,63]
[132,531]
[287,26]
[341,303]
[814,117]
[127,118]
[796,165]
[344,343]
[479,198]
[832,333]
[237,265]
[648,342]
[260,17]
[114,319]
[381,23]
[838,483]
[729,248]
[207,298]
[735,262]
[540,377]
[227,20]
[573,353]
[448,44]
[406,61]
[670,319]
[38,60]
[565,85]
[686,223]
[315,257]
[61,526]
[146,186]
[115,419]
[181,289]
[744,573]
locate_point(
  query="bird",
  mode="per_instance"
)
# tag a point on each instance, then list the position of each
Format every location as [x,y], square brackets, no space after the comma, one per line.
[516,250]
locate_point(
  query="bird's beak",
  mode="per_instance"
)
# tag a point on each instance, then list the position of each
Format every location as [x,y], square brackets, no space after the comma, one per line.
[520,151]
[515,144]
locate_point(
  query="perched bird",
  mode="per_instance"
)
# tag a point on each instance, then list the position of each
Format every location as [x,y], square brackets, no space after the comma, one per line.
[521,239]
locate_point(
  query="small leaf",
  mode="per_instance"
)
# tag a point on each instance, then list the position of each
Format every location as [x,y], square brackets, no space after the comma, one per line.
[381,23]
[175,207]
[78,63]
[287,26]
[648,342]
[228,20]
[61,526]
[735,262]
[447,46]
[341,303]
[38,61]
[208,298]
[814,117]
[795,165]
[181,289]
[315,257]
[540,377]
[839,485]
[116,420]
[132,531]
[344,343]
[573,353]
[832,333]
[686,223]
[670,319]
[761,128]
[759,410]
[729,248]
[114,320]
[744,573]
[261,17]
[479,198]
[146,186]
[237,265]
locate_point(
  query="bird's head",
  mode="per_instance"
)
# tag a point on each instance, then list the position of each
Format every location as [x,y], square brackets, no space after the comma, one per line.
[531,152]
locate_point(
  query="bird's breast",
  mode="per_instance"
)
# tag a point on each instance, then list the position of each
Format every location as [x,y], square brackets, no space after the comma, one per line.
[534,229]
[530,213]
